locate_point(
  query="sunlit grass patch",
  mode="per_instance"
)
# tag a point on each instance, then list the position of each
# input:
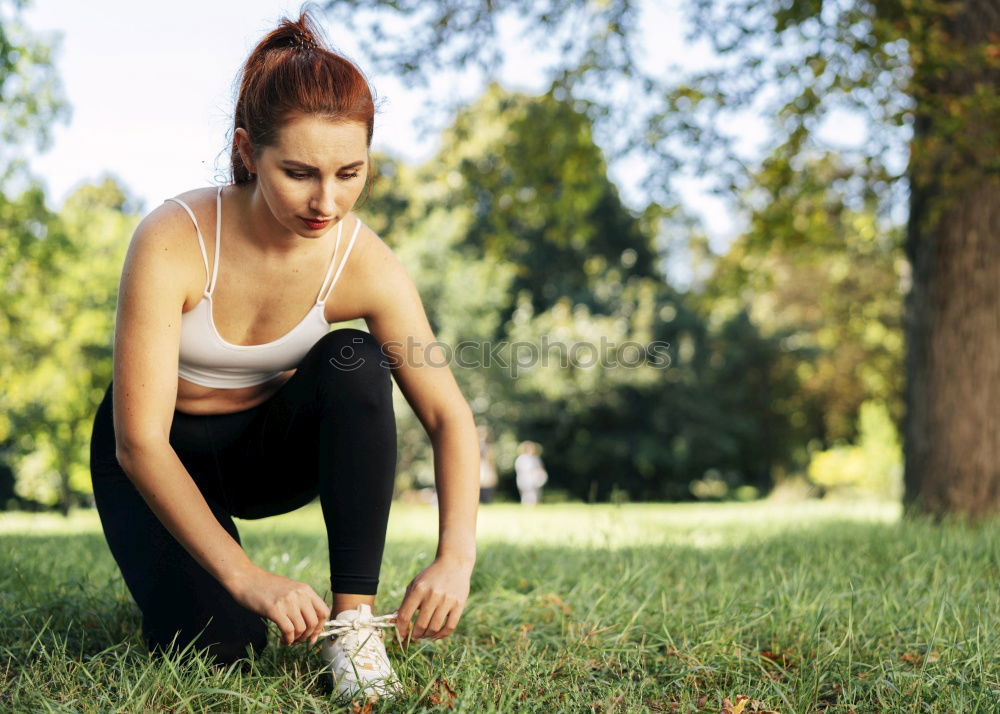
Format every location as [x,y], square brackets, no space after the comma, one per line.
[640,607]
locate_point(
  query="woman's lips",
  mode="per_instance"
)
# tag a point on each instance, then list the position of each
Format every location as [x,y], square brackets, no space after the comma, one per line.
[314,225]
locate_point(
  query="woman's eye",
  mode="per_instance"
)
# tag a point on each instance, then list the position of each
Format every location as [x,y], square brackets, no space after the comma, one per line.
[301,177]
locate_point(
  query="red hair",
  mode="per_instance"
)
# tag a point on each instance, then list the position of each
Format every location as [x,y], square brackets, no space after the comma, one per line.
[292,70]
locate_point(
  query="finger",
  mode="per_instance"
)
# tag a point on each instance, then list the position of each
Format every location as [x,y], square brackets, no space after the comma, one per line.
[423,620]
[322,615]
[405,612]
[453,618]
[299,623]
[322,609]
[310,618]
[405,619]
[285,626]
[439,618]
[427,610]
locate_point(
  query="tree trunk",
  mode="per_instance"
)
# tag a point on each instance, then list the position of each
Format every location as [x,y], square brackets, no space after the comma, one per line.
[952,310]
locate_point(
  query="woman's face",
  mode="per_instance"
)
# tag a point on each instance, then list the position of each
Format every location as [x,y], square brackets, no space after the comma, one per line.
[314,172]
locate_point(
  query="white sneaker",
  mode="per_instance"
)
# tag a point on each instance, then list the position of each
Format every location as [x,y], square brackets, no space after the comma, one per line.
[355,653]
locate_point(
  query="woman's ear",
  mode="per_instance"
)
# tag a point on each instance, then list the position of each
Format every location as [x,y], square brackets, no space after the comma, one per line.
[245,148]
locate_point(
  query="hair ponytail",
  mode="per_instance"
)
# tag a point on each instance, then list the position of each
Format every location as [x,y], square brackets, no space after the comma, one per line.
[292,70]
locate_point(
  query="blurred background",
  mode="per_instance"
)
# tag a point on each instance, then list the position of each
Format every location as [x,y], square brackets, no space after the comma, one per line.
[731,179]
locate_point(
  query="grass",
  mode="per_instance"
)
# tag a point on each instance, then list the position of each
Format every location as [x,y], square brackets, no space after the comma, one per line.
[807,607]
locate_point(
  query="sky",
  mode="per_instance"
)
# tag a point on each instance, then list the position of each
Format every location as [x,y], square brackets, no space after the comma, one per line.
[151,92]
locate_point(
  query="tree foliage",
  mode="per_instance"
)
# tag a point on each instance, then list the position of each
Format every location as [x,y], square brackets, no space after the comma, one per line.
[826,277]
[31,94]
[522,249]
[792,62]
[58,323]
[541,199]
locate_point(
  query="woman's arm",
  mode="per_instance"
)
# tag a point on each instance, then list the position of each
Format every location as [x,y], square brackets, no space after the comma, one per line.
[396,318]
[456,460]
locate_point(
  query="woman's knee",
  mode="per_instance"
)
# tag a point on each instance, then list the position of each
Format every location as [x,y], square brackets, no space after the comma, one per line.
[351,363]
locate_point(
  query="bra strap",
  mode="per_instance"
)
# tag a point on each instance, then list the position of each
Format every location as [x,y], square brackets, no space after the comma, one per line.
[218,233]
[343,261]
[201,241]
[333,259]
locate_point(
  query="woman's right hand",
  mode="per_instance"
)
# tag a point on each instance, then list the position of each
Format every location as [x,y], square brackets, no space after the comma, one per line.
[293,606]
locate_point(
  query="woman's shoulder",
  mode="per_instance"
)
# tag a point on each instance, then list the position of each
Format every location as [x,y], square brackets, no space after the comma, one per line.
[369,250]
[202,193]
[167,218]
[167,229]
[353,221]
[375,265]
[192,195]
[168,212]
[358,266]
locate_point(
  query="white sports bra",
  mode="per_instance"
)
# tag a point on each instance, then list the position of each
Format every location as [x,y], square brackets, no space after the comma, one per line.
[207,359]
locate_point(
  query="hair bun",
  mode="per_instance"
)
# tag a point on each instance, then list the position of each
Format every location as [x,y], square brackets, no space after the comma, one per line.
[303,41]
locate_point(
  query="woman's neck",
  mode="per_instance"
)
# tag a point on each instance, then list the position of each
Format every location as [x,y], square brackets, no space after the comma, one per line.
[261,231]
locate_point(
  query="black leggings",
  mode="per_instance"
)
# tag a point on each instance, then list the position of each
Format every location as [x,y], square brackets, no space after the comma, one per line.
[329,430]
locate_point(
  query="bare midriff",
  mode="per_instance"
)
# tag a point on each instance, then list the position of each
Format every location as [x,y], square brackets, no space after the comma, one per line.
[196,399]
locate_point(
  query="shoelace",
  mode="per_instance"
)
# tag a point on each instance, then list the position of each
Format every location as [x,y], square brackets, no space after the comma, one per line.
[340,627]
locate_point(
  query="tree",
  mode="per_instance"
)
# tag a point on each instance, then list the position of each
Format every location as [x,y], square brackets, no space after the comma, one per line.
[57,353]
[32,102]
[540,199]
[952,313]
[518,241]
[926,74]
[834,290]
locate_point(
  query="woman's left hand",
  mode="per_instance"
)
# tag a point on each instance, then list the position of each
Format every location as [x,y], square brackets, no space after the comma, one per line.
[439,592]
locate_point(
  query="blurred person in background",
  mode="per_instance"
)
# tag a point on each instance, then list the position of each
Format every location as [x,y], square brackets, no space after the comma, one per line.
[530,472]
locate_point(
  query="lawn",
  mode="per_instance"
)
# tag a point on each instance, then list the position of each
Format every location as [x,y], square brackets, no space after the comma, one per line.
[800,607]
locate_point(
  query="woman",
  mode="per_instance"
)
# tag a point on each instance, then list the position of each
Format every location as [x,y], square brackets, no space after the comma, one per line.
[227,402]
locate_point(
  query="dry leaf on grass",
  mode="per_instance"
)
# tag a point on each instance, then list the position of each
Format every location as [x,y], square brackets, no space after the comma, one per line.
[553,599]
[744,705]
[915,658]
[442,694]
[613,706]
[358,708]
[778,658]
[729,708]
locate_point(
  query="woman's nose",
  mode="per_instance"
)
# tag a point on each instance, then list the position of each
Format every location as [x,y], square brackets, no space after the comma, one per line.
[324,202]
